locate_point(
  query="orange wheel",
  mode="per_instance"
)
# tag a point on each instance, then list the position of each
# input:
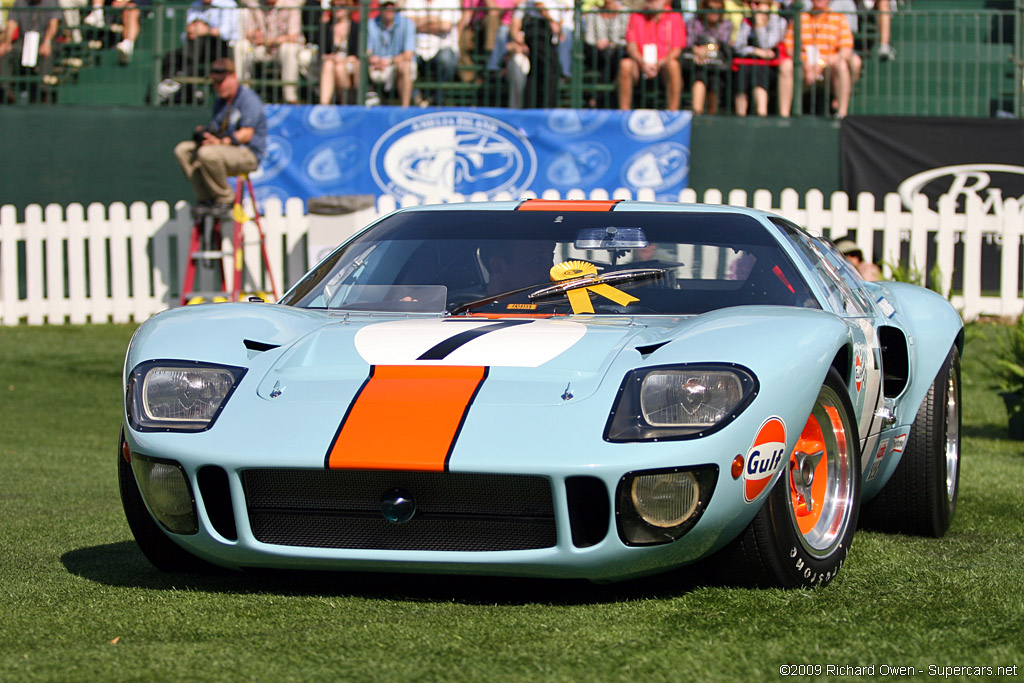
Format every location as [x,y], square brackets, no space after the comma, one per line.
[801,536]
[821,477]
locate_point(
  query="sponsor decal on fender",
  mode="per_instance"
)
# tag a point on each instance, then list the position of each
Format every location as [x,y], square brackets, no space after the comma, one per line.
[888,310]
[858,371]
[877,460]
[899,443]
[764,457]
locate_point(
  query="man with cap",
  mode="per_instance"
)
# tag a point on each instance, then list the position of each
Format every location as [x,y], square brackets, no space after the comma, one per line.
[391,48]
[868,270]
[232,142]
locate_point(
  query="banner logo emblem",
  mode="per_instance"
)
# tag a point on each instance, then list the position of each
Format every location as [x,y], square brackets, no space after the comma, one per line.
[437,155]
[966,180]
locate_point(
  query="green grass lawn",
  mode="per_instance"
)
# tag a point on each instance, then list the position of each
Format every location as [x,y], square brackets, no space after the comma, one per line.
[79,602]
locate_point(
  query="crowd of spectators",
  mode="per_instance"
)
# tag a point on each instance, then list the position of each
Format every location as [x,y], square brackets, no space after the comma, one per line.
[709,55]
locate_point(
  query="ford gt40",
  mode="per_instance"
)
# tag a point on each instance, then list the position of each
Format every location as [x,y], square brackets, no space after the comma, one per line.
[579,389]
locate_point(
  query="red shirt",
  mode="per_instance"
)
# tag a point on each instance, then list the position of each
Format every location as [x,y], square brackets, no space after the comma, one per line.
[666,30]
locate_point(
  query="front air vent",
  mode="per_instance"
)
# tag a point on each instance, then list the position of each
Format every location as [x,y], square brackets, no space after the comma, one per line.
[216,493]
[452,511]
[589,510]
[258,346]
[650,348]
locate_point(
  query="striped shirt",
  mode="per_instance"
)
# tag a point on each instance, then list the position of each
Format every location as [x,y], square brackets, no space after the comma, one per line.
[827,31]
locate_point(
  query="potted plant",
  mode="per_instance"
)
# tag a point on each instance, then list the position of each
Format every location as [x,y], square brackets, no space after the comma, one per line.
[1010,373]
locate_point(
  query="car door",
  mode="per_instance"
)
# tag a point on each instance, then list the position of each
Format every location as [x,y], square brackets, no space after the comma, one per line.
[845,297]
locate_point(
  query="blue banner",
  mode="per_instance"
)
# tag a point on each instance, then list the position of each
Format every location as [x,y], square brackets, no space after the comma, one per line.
[343,150]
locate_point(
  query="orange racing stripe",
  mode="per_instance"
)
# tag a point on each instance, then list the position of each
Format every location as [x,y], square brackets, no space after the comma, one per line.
[406,417]
[567,205]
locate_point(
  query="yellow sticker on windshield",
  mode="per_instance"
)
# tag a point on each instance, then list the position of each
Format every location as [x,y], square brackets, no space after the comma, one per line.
[580,298]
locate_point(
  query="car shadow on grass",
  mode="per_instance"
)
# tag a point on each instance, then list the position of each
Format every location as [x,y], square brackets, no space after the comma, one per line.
[123,565]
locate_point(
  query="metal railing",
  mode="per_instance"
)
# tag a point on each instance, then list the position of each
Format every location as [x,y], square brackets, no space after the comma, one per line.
[949,62]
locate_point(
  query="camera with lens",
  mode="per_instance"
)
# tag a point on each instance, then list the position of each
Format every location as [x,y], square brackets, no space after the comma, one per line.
[199,134]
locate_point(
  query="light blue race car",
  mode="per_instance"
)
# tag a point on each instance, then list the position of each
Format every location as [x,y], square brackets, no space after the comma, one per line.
[579,389]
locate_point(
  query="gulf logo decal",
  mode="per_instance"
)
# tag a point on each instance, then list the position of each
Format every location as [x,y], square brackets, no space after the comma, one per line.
[764,457]
[506,342]
[405,417]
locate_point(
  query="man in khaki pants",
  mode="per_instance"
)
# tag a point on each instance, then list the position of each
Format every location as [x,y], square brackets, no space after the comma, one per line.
[232,142]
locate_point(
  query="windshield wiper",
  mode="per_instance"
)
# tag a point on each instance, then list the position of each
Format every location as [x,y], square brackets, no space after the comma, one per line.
[591,280]
[562,287]
[494,298]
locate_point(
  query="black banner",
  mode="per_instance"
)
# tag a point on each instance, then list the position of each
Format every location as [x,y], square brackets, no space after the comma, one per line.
[934,156]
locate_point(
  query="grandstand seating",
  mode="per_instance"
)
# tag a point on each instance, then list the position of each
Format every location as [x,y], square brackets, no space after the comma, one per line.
[955,58]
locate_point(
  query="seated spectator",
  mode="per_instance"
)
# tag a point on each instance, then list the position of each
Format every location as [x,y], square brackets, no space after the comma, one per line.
[131,20]
[211,29]
[604,40]
[73,16]
[654,41]
[499,18]
[391,53]
[564,11]
[27,46]
[708,55]
[437,42]
[757,40]
[868,270]
[472,23]
[339,68]
[274,34]
[826,53]
[534,71]
[884,17]
[855,9]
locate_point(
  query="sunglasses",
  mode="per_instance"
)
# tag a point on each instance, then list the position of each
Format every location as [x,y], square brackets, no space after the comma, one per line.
[220,72]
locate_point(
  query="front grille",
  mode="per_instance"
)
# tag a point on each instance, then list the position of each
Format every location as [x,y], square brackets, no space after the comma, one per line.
[454,511]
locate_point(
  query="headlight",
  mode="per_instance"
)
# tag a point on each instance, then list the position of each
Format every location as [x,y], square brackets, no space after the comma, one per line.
[178,395]
[166,490]
[659,506]
[665,500]
[679,402]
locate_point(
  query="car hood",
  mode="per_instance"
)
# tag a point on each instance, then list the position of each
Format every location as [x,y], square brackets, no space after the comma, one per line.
[536,361]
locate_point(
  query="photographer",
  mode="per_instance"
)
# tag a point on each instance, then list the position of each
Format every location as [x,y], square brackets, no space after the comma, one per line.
[232,143]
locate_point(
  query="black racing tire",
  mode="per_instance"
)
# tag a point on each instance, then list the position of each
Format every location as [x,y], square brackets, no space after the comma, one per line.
[159,549]
[782,548]
[921,496]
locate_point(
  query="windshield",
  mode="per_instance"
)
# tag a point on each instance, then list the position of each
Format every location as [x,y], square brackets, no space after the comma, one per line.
[504,262]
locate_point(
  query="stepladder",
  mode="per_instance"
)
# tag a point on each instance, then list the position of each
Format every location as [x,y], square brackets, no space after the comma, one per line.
[207,252]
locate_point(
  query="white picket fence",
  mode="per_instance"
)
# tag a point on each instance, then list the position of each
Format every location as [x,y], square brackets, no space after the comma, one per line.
[122,264]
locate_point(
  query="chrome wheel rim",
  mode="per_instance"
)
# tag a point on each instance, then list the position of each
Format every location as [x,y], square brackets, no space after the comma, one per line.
[952,435]
[821,484]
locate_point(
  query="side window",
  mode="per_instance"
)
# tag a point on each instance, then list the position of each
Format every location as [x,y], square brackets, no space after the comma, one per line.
[841,297]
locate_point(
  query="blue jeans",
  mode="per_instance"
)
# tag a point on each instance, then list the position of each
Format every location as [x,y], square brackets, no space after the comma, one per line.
[441,68]
[497,60]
